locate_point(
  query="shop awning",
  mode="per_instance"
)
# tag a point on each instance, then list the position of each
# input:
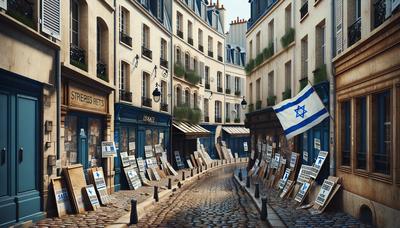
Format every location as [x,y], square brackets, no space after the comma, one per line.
[237,131]
[189,129]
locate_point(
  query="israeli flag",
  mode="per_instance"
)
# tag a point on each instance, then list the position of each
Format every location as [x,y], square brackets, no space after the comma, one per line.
[301,112]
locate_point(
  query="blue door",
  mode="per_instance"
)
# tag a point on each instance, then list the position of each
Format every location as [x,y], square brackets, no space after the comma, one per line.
[19,165]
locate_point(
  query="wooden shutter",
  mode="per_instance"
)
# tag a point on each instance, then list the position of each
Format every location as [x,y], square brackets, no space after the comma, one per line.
[51,18]
[339,26]
[3,4]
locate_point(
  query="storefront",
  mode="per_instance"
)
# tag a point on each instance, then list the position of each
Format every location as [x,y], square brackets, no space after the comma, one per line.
[209,141]
[136,128]
[184,139]
[85,122]
[21,149]
[235,138]
[316,139]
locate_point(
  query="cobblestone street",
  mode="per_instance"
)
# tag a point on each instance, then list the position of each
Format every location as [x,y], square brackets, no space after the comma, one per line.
[214,201]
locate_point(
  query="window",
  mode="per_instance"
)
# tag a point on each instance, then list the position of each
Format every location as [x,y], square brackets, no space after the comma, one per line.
[219,46]
[237,57]
[145,85]
[163,51]
[258,43]
[258,89]
[146,36]
[237,84]
[187,61]
[195,65]
[271,35]
[207,75]
[164,91]
[218,111]
[288,17]
[205,110]
[210,45]
[227,111]
[179,21]
[361,133]
[200,37]
[178,96]
[251,92]
[178,55]
[219,79]
[271,91]
[187,98]
[74,26]
[160,12]
[304,57]
[320,44]
[124,21]
[381,132]
[288,75]
[124,77]
[237,109]
[190,30]
[102,49]
[345,129]
[250,49]
[195,105]
[227,81]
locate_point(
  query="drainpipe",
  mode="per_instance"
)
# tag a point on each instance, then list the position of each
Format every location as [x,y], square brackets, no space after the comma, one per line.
[58,104]
[332,98]
[115,49]
[171,51]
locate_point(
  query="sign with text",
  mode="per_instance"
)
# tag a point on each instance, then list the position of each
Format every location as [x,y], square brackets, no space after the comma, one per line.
[91,193]
[84,99]
[302,192]
[245,147]
[318,163]
[324,192]
[284,178]
[108,149]
[293,160]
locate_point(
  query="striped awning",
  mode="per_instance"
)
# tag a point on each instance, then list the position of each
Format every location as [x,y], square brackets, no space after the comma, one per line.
[190,129]
[236,131]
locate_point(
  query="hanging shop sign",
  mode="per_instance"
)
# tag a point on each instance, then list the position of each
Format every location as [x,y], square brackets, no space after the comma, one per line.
[85,99]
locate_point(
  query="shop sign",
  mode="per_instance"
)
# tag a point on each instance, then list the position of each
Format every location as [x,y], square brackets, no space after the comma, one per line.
[108,149]
[81,98]
[245,147]
[149,119]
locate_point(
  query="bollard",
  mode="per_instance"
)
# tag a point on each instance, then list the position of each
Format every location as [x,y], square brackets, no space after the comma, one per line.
[134,216]
[169,183]
[179,184]
[257,190]
[264,212]
[206,167]
[247,182]
[155,193]
[240,175]
[183,175]
[198,169]
[201,169]
[191,172]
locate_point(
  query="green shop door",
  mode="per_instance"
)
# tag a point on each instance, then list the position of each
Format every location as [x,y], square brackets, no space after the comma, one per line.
[19,164]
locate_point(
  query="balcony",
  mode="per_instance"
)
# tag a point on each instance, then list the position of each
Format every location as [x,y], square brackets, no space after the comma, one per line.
[354,33]
[237,120]
[147,52]
[201,48]
[184,112]
[379,12]
[207,85]
[77,57]
[237,93]
[219,89]
[228,91]
[146,102]
[227,120]
[304,10]
[218,120]
[102,71]
[211,54]
[22,11]
[179,71]
[126,39]
[220,58]
[206,119]
[164,63]
[190,41]
[125,95]
[164,107]
[192,77]
[179,33]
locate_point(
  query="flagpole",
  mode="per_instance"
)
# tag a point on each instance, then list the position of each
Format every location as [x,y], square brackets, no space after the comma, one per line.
[321,100]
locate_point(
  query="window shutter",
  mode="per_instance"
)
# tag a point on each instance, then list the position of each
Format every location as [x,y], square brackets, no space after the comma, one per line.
[51,18]
[3,4]
[339,26]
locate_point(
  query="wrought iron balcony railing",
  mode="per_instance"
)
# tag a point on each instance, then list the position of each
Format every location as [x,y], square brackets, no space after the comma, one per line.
[207,85]
[147,52]
[201,48]
[379,12]
[22,10]
[102,71]
[211,54]
[190,41]
[218,119]
[164,107]
[219,89]
[304,10]
[206,119]
[354,32]
[125,38]
[125,95]
[77,57]
[179,33]
[146,102]
[164,63]
[220,58]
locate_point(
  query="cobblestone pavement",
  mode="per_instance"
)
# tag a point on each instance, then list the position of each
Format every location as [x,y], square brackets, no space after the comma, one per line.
[213,201]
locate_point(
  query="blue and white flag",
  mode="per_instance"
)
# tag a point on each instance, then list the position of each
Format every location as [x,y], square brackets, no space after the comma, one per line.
[301,112]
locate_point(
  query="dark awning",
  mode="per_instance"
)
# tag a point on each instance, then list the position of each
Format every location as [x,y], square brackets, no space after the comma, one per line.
[237,131]
[189,129]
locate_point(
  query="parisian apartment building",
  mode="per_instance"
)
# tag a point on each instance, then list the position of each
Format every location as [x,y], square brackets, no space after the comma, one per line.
[75,73]
[348,51]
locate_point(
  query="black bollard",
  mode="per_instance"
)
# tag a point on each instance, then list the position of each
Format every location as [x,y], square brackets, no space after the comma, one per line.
[179,184]
[183,175]
[191,172]
[257,190]
[247,182]
[206,167]
[169,183]
[201,168]
[240,175]
[134,216]
[198,169]
[155,193]
[264,212]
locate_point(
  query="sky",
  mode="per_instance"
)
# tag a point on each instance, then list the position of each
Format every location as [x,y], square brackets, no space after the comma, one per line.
[235,8]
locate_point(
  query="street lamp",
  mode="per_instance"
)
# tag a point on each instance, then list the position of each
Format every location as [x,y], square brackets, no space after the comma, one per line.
[156,94]
[136,61]
[244,103]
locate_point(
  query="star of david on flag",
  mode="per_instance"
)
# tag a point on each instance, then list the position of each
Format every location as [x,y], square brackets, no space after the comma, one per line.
[301,112]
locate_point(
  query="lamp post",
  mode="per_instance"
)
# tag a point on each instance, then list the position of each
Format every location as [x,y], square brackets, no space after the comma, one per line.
[244,103]
[156,94]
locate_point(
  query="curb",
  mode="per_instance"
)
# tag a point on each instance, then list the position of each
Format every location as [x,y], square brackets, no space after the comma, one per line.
[273,218]
[146,205]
